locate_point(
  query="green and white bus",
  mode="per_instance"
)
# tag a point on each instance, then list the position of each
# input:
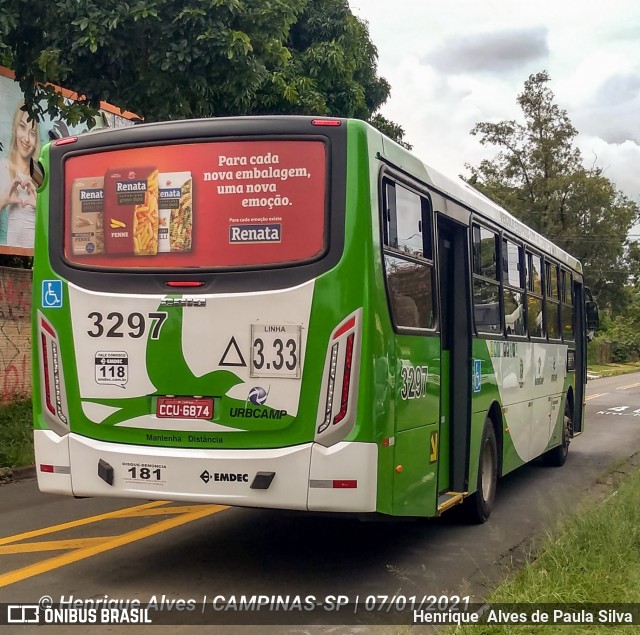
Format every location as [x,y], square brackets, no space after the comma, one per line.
[294,313]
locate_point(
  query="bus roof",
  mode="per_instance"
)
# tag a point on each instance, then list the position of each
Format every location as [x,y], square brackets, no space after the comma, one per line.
[455,189]
[464,193]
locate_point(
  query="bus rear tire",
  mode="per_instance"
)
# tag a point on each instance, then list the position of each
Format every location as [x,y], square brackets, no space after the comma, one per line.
[557,457]
[479,505]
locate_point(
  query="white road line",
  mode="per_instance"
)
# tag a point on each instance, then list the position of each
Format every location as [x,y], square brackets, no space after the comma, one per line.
[600,394]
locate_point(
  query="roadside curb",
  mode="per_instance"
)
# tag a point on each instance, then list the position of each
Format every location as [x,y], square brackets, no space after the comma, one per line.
[9,475]
[20,473]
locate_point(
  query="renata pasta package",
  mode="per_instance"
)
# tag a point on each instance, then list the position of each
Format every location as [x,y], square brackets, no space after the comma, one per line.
[175,213]
[87,232]
[131,211]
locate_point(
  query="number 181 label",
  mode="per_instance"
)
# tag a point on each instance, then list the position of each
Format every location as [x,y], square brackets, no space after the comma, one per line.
[112,368]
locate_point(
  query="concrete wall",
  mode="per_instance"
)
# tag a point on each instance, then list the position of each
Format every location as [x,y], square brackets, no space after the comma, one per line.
[15,333]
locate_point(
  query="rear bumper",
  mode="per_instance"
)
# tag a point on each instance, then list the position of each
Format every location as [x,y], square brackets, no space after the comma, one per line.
[305,477]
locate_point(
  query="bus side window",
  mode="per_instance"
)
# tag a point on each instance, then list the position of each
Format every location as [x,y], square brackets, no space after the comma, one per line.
[390,217]
[535,313]
[410,292]
[513,288]
[407,257]
[552,301]
[566,309]
[486,285]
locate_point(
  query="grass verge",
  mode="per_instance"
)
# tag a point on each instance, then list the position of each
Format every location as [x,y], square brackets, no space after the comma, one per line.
[593,557]
[16,434]
[609,370]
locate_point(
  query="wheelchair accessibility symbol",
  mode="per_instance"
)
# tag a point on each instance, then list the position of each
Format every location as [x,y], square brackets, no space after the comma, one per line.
[477,375]
[52,294]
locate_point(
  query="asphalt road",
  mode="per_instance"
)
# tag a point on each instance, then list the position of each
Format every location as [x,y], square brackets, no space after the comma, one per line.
[187,552]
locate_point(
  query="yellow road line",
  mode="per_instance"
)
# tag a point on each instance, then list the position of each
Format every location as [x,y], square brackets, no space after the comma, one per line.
[600,394]
[12,577]
[159,511]
[77,523]
[629,386]
[52,545]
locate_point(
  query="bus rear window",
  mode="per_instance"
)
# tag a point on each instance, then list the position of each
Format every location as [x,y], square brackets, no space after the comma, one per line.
[209,204]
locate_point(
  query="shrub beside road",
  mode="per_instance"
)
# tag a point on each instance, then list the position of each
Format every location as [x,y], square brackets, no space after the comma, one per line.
[16,434]
[591,558]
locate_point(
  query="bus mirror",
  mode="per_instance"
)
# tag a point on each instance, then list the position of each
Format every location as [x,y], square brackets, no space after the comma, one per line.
[593,320]
[36,171]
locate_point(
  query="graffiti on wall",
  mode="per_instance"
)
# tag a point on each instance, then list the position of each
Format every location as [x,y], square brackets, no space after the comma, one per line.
[15,333]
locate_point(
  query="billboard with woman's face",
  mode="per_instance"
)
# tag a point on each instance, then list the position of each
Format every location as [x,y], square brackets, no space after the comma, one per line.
[20,141]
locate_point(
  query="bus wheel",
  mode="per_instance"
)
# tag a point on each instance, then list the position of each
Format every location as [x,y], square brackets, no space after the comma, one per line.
[480,503]
[558,456]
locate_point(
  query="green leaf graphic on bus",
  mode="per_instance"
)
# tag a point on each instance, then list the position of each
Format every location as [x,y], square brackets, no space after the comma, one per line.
[170,374]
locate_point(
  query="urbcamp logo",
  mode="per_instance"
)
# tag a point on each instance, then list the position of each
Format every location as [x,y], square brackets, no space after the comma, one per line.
[258,396]
[255,233]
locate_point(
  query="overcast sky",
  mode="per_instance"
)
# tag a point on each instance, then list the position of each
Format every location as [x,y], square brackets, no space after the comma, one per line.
[454,63]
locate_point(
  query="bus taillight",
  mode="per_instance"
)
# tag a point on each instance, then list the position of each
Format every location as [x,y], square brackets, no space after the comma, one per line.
[340,374]
[47,374]
[47,468]
[184,283]
[326,122]
[330,390]
[346,380]
[345,484]
[52,388]
[65,141]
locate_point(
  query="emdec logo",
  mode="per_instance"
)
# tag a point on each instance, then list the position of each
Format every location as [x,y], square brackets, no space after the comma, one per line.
[224,477]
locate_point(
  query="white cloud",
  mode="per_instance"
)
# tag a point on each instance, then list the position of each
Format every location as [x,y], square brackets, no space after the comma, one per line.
[454,64]
[490,52]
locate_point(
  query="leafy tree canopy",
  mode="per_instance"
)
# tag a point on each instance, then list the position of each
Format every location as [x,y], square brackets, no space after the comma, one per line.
[171,59]
[538,175]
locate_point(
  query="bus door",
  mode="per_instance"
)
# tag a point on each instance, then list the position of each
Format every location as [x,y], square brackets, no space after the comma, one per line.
[455,338]
[579,358]
[410,280]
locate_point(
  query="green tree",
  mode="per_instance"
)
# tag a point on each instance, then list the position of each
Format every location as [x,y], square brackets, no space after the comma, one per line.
[538,175]
[332,69]
[170,59]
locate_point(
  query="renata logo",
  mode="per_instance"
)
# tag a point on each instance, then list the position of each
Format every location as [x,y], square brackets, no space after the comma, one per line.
[131,186]
[255,233]
[174,192]
[91,195]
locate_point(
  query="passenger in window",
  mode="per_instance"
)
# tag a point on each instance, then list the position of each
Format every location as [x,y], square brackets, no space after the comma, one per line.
[405,310]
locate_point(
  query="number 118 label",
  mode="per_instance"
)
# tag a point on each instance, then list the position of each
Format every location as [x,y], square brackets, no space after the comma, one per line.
[112,368]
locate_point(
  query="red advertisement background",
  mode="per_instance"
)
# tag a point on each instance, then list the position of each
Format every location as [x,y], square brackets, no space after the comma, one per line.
[218,203]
